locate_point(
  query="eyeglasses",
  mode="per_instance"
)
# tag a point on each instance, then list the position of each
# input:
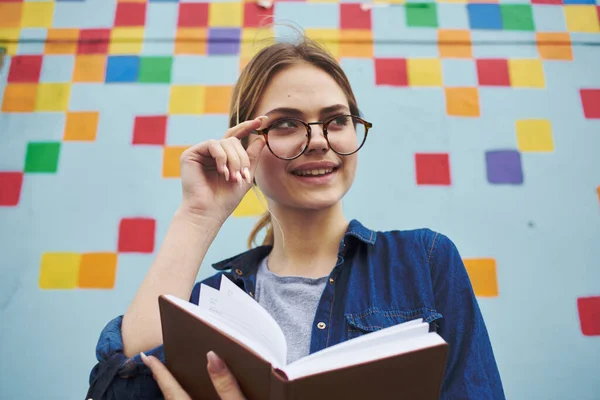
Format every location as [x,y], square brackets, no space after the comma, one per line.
[288,138]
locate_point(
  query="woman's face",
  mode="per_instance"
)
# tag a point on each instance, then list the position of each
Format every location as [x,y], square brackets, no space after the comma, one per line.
[307,93]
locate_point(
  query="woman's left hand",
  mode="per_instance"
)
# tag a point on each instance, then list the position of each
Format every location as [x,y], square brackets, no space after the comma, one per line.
[225,383]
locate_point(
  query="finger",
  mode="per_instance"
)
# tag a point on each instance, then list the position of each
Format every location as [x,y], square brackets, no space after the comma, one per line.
[253,151]
[167,383]
[218,153]
[224,382]
[210,149]
[243,129]
[233,159]
[244,160]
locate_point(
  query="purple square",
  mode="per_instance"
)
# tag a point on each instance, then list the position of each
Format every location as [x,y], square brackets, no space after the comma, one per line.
[224,41]
[504,166]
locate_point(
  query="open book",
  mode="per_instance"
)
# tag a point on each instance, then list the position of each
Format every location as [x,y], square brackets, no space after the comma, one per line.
[405,361]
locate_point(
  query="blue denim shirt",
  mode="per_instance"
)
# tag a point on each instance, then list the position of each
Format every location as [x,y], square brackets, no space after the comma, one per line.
[380,279]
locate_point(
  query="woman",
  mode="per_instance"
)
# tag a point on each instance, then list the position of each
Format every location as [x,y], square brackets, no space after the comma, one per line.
[323,278]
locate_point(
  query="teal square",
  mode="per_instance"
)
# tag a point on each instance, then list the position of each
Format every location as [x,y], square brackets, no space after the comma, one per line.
[517,17]
[421,15]
[42,157]
[155,69]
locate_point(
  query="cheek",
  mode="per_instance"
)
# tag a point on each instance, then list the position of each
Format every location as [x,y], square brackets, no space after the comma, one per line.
[269,171]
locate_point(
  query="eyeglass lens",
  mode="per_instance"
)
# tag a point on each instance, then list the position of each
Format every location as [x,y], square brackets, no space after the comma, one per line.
[289,137]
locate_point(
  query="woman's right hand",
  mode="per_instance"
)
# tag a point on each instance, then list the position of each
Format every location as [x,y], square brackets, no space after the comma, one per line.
[216,174]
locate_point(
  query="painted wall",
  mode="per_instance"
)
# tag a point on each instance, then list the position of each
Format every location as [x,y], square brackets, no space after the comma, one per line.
[486,128]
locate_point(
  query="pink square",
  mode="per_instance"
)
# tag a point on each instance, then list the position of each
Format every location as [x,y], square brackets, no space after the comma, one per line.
[589,315]
[193,15]
[150,130]
[391,71]
[93,41]
[493,72]
[590,99]
[136,235]
[432,169]
[130,14]
[10,188]
[25,69]
[352,16]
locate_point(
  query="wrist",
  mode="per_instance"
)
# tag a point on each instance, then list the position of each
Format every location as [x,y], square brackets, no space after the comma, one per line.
[201,220]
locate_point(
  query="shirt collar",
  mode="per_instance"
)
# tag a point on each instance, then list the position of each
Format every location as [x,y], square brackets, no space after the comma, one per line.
[247,261]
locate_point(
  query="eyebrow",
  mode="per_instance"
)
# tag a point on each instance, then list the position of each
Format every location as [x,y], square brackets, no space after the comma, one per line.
[298,113]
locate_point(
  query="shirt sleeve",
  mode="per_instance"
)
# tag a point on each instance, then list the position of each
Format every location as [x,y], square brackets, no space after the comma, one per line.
[471,369]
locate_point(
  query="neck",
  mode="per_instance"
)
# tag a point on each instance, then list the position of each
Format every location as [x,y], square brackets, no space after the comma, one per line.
[306,243]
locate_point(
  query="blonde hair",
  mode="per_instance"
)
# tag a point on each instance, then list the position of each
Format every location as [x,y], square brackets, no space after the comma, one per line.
[255,78]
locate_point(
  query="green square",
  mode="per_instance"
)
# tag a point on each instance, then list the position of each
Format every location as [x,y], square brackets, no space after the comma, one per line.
[155,69]
[421,15]
[42,157]
[517,17]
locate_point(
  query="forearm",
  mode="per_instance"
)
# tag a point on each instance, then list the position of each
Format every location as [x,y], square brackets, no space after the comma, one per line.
[173,272]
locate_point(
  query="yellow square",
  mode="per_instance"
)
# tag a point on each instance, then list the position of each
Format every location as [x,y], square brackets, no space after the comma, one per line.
[53,97]
[357,43]
[526,73]
[59,270]
[12,35]
[126,40]
[171,161]
[254,40]
[191,41]
[252,204]
[37,15]
[81,126]
[424,72]
[328,38]
[482,273]
[61,41]
[535,135]
[187,99]
[217,99]
[225,14]
[582,18]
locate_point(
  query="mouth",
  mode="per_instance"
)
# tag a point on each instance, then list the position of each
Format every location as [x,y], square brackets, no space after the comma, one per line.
[317,172]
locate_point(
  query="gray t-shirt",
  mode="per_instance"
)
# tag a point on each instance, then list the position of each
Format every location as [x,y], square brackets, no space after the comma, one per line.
[292,301]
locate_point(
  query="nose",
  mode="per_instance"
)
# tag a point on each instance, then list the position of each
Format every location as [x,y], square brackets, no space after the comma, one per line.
[318,142]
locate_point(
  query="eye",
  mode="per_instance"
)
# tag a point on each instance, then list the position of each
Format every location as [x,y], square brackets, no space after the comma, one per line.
[283,124]
[339,122]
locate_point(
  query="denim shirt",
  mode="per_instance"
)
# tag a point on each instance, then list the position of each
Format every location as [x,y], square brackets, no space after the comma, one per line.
[380,279]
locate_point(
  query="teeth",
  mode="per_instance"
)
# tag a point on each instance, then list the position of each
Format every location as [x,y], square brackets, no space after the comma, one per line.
[314,172]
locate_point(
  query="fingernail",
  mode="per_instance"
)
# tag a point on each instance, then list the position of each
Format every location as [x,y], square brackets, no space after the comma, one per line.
[145,358]
[238,177]
[247,174]
[215,364]
[226,170]
[262,118]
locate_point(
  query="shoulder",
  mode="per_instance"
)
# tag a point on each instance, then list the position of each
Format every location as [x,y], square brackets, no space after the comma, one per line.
[424,238]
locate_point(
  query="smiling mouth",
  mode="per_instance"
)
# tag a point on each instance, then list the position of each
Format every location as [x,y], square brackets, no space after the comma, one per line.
[315,172]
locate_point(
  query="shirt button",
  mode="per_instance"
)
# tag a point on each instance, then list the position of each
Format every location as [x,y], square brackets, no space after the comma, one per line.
[331,281]
[239,272]
[321,325]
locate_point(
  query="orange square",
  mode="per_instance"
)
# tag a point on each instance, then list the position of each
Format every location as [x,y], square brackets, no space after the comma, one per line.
[191,41]
[171,158]
[554,45]
[61,41]
[482,272]
[357,43]
[462,102]
[10,15]
[89,68]
[217,99]
[455,43]
[81,126]
[97,271]
[19,97]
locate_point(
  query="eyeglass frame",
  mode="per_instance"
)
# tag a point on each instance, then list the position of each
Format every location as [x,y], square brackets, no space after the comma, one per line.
[265,133]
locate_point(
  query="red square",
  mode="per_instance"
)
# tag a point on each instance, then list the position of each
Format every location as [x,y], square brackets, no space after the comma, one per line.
[352,16]
[25,69]
[590,99]
[93,41]
[552,2]
[193,15]
[589,315]
[136,235]
[130,14]
[150,130]
[493,72]
[391,71]
[10,188]
[432,169]
[256,16]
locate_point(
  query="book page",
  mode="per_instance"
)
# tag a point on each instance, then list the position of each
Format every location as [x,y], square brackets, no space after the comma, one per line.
[249,324]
